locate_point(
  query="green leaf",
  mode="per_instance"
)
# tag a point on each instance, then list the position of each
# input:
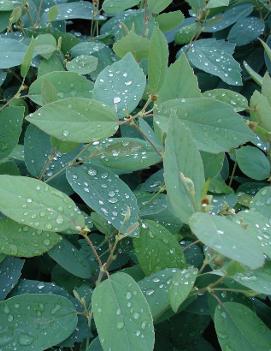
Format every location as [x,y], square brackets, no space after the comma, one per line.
[236,100]
[258,225]
[125,155]
[182,283]
[225,19]
[71,10]
[158,61]
[127,313]
[157,248]
[215,57]
[104,192]
[188,32]
[227,238]
[23,241]
[136,44]
[155,288]
[253,162]
[93,121]
[114,7]
[27,58]
[245,30]
[183,171]
[260,110]
[121,85]
[217,3]
[169,20]
[217,128]
[262,202]
[66,84]
[180,81]
[11,119]
[37,317]
[12,52]
[45,45]
[10,272]
[258,280]
[83,64]
[238,327]
[31,202]
[157,6]
[212,163]
[76,261]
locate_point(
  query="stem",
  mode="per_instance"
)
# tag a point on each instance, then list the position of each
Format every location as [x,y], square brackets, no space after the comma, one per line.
[17,95]
[93,249]
[232,173]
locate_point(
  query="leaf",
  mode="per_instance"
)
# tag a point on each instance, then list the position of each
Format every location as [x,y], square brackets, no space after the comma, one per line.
[37,317]
[180,81]
[11,119]
[217,3]
[45,45]
[181,285]
[169,20]
[155,288]
[120,299]
[93,121]
[156,248]
[225,19]
[71,10]
[83,64]
[258,225]
[253,162]
[258,280]
[260,110]
[12,52]
[238,327]
[123,154]
[136,44]
[114,7]
[158,61]
[157,6]
[262,202]
[236,100]
[246,30]
[217,128]
[27,58]
[227,238]
[75,261]
[215,57]
[187,32]
[31,202]
[66,84]
[212,163]
[107,194]
[121,85]
[10,272]
[183,171]
[23,241]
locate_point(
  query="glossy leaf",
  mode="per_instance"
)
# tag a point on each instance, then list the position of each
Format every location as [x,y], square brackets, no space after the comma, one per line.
[215,57]
[239,327]
[114,7]
[11,119]
[158,61]
[10,272]
[66,84]
[236,100]
[182,283]
[83,64]
[120,299]
[12,52]
[37,318]
[31,202]
[215,129]
[121,85]
[23,241]
[157,248]
[245,30]
[184,172]
[93,120]
[103,191]
[227,238]
[253,162]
